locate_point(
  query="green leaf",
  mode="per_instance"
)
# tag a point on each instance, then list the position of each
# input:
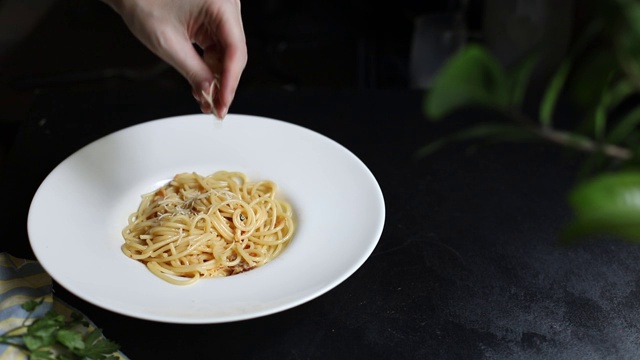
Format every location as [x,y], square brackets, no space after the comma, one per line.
[607,192]
[52,337]
[47,324]
[42,355]
[621,90]
[553,92]
[559,79]
[100,350]
[40,334]
[31,305]
[519,79]
[97,347]
[591,77]
[42,330]
[33,342]
[77,319]
[606,204]
[471,77]
[92,337]
[71,339]
[597,118]
[609,99]
[600,122]
[494,131]
[50,317]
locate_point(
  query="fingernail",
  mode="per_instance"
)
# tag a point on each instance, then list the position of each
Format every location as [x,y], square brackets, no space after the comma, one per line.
[223,113]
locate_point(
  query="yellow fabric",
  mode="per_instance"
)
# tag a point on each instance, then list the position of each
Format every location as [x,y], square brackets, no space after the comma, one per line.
[22,280]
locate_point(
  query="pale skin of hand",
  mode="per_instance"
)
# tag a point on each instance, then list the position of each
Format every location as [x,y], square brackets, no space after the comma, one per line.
[169,28]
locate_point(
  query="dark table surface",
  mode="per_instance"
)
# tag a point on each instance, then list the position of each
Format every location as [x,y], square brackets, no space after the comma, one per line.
[468,265]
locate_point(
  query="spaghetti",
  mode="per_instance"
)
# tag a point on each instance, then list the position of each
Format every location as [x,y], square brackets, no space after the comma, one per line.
[208,226]
[210,95]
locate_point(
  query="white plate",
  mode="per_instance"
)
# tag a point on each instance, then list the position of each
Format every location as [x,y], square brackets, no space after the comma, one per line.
[77,215]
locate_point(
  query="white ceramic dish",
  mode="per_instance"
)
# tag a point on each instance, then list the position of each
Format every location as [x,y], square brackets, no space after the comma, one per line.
[77,214]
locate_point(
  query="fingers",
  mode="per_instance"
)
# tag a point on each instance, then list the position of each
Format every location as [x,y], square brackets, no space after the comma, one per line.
[179,52]
[227,73]
[226,54]
[235,60]
[205,75]
[234,56]
[169,28]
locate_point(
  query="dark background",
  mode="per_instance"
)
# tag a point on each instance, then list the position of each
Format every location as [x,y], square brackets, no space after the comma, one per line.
[334,44]
[62,44]
[46,45]
[483,277]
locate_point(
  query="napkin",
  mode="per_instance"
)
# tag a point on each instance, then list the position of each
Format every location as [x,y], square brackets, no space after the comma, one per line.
[22,280]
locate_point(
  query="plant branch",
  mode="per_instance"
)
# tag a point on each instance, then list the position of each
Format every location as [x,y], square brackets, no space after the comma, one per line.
[568,139]
[583,143]
[6,341]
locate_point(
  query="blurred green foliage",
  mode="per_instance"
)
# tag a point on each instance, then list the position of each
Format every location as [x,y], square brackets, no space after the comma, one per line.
[600,76]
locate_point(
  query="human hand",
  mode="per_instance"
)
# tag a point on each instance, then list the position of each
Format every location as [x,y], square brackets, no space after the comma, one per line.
[169,28]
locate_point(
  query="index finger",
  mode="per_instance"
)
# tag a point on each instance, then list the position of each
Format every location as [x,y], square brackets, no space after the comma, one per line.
[233,48]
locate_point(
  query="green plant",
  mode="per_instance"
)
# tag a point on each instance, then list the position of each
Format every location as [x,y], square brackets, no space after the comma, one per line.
[54,337]
[600,78]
